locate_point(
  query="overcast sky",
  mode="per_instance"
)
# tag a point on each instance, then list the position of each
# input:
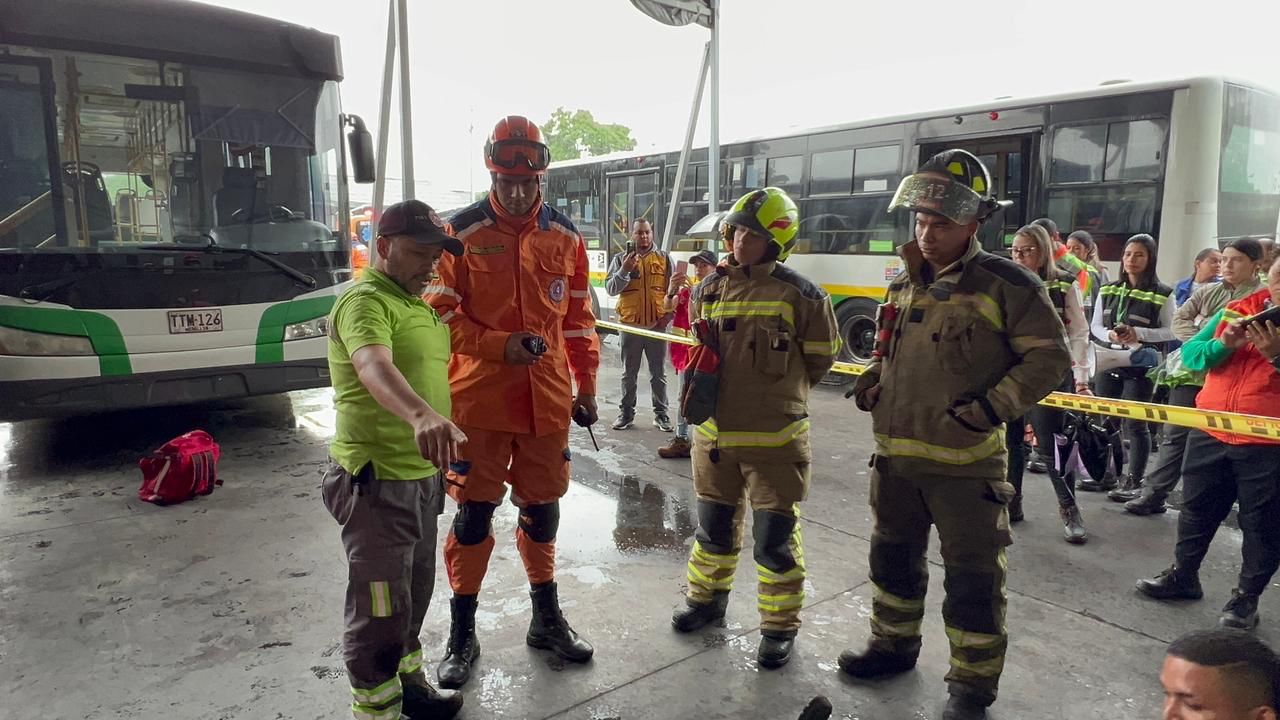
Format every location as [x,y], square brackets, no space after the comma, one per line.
[795,63]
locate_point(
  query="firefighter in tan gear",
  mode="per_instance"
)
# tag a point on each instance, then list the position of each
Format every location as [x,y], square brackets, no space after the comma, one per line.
[983,332]
[777,338]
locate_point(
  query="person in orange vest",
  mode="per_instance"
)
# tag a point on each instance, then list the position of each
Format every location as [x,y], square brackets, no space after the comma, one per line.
[518,305]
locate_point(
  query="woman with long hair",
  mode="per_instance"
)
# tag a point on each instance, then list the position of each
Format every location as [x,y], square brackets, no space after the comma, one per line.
[1033,250]
[1132,322]
[1080,243]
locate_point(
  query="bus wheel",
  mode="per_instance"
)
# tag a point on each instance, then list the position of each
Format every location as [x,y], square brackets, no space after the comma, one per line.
[856,319]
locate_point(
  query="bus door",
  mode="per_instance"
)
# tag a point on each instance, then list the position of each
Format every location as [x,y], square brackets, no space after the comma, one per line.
[1009,160]
[629,198]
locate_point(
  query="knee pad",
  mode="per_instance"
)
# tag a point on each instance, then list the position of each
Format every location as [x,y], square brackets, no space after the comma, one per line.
[473,522]
[540,522]
[772,533]
[715,526]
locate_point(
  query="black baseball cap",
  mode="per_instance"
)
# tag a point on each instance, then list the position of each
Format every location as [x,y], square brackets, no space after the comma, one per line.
[705,256]
[417,220]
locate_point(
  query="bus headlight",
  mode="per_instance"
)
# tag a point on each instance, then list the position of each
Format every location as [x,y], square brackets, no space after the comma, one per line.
[318,327]
[24,342]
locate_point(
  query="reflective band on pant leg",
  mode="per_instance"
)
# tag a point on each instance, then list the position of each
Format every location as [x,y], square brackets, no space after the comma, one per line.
[714,557]
[411,663]
[779,555]
[377,703]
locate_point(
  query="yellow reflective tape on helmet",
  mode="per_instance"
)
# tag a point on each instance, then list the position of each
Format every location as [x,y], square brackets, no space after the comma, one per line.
[956,169]
[907,447]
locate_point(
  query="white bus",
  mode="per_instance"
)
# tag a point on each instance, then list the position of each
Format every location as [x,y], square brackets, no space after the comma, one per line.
[1193,162]
[173,204]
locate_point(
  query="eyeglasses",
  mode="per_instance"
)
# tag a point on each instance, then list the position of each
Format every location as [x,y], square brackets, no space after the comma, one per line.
[1024,251]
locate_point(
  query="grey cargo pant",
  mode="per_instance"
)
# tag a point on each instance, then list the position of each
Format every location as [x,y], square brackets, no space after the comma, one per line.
[634,348]
[389,534]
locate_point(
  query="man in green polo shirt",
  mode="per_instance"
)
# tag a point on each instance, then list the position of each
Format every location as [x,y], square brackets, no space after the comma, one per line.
[388,358]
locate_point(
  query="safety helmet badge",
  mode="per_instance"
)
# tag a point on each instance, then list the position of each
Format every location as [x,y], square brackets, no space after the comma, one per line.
[954,184]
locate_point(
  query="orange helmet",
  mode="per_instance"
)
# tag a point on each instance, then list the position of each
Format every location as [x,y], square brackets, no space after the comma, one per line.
[515,147]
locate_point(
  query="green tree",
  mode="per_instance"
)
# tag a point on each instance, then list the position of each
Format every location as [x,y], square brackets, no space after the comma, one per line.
[569,134]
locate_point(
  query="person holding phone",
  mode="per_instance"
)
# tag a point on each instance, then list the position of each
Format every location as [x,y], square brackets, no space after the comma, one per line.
[639,280]
[1132,321]
[1240,350]
[678,293]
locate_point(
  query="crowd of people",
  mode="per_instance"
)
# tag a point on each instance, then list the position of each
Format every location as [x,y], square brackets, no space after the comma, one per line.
[446,387]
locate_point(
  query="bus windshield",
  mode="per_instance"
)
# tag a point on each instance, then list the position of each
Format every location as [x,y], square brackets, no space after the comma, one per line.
[104,154]
[1249,178]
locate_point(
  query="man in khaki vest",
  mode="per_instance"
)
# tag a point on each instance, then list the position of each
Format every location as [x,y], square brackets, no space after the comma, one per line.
[639,280]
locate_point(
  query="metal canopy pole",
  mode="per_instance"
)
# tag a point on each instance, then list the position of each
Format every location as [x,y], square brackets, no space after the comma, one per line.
[668,231]
[713,156]
[406,105]
[384,116]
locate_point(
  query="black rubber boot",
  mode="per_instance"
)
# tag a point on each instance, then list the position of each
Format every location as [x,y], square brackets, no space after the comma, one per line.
[875,663]
[1015,508]
[960,707]
[548,630]
[423,702]
[1107,483]
[695,616]
[455,669]
[1172,584]
[775,648]
[1146,504]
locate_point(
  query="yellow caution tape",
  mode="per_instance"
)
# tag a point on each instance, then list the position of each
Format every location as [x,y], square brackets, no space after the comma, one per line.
[1256,426]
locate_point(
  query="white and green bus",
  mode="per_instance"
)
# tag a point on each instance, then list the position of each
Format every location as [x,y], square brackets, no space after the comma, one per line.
[1194,162]
[173,204]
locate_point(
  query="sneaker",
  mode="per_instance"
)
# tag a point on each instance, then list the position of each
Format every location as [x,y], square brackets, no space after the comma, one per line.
[678,448]
[1072,524]
[1240,612]
[624,421]
[663,423]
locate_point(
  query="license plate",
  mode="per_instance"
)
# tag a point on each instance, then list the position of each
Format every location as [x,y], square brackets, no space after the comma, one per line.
[195,321]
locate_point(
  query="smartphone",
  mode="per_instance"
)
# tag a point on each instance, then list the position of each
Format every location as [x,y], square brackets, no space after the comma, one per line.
[682,267]
[1271,313]
[631,246]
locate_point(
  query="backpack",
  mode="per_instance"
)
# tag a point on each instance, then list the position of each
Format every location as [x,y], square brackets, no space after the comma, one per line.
[181,469]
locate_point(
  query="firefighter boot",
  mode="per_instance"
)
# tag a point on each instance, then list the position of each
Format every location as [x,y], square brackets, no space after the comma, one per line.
[875,662]
[423,702]
[463,650]
[695,616]
[548,630]
[775,648]
[961,707]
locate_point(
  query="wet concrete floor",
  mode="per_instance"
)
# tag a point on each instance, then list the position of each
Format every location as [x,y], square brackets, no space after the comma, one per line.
[230,606]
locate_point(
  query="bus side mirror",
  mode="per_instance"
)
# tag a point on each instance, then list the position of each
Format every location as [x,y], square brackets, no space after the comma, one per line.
[360,143]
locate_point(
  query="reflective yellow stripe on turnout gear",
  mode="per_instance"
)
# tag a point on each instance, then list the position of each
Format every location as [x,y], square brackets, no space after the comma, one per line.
[751,308]
[727,439]
[381,695]
[825,349]
[906,447]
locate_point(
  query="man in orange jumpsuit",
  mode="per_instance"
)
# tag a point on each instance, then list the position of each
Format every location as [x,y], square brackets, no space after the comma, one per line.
[518,305]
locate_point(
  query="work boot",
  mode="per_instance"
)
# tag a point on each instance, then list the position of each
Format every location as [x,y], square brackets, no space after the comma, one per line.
[455,669]
[423,702]
[1129,489]
[1172,584]
[624,421]
[961,707]
[678,448]
[548,630]
[1015,508]
[1240,612]
[775,648]
[1146,504]
[663,423]
[1072,524]
[1088,484]
[876,663]
[695,616]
